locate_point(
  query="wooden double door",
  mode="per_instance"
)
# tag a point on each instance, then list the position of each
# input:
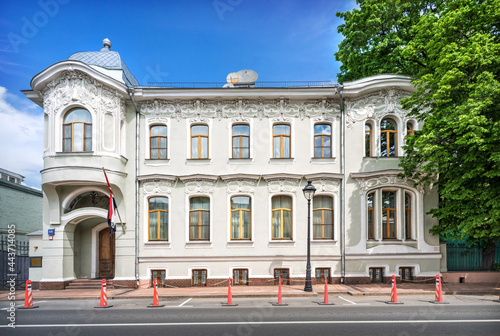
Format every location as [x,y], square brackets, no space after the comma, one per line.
[106,254]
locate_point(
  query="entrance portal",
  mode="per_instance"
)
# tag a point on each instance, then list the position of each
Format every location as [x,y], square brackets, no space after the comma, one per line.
[106,254]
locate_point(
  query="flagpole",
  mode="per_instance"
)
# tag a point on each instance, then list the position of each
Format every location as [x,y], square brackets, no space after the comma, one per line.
[111,191]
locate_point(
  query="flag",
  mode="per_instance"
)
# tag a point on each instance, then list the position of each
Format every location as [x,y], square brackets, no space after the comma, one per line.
[112,208]
[111,214]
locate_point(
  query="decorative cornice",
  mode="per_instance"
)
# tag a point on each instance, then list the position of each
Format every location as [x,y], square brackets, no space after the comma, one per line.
[156,177]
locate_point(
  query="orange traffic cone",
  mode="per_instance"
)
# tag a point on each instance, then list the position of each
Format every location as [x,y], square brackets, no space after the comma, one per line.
[438,297]
[229,295]
[280,299]
[325,299]
[28,297]
[104,296]
[394,293]
[156,301]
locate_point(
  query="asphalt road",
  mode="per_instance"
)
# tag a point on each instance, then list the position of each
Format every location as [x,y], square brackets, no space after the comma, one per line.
[465,315]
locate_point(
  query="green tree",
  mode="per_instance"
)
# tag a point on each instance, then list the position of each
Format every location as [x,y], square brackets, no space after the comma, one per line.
[451,49]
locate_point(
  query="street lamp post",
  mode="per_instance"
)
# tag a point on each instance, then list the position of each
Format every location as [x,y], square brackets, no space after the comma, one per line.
[308,191]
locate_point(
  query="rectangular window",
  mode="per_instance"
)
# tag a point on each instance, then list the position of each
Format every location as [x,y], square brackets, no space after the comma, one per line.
[35,261]
[406,273]
[241,141]
[368,140]
[321,273]
[240,277]
[371,216]
[408,216]
[281,217]
[158,218]
[199,278]
[281,141]
[159,275]
[322,141]
[199,218]
[323,217]
[389,215]
[284,273]
[241,217]
[376,274]
[199,142]
[158,142]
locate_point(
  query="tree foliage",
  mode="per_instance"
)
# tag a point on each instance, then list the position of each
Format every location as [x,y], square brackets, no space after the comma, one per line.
[451,49]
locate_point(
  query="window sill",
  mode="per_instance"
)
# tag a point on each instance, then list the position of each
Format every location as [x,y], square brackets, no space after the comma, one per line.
[323,160]
[75,153]
[281,243]
[157,244]
[198,161]
[324,242]
[242,243]
[382,157]
[157,162]
[199,244]
[240,161]
[281,160]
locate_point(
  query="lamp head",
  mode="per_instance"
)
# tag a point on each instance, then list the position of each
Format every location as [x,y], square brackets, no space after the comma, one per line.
[309,191]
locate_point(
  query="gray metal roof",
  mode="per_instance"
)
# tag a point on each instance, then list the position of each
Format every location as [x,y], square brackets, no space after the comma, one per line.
[108,59]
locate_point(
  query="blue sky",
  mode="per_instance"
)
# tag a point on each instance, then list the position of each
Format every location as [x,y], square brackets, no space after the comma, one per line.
[172,41]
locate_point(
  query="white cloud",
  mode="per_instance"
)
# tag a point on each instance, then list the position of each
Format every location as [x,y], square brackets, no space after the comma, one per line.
[21,137]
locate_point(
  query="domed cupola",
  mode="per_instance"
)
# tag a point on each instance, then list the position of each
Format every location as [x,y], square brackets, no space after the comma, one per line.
[108,62]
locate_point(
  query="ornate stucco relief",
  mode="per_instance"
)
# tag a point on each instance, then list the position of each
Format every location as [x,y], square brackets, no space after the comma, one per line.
[284,185]
[376,106]
[368,183]
[281,109]
[240,186]
[76,87]
[326,185]
[156,187]
[198,186]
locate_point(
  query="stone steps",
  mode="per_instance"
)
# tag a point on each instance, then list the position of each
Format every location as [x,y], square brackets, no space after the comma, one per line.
[88,284]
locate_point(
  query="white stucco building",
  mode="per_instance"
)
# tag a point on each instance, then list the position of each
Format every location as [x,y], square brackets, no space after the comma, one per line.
[208,181]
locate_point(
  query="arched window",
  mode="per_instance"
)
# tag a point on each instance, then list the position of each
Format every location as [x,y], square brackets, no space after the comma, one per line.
[409,128]
[408,227]
[94,199]
[241,141]
[199,218]
[371,215]
[281,217]
[388,138]
[199,142]
[158,218]
[368,140]
[158,142]
[323,217]
[281,141]
[77,131]
[241,217]
[389,229]
[322,140]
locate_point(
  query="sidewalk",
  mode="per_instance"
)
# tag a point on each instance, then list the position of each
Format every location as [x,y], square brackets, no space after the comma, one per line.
[261,291]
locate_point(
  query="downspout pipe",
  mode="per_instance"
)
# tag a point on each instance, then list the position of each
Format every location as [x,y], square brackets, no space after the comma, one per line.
[131,92]
[340,89]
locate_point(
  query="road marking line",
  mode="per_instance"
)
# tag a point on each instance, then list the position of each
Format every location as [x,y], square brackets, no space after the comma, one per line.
[347,300]
[187,324]
[182,304]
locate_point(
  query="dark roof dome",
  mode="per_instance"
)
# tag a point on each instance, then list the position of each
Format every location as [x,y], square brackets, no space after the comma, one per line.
[108,59]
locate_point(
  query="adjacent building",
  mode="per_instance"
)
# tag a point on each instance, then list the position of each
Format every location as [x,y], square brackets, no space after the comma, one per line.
[208,180]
